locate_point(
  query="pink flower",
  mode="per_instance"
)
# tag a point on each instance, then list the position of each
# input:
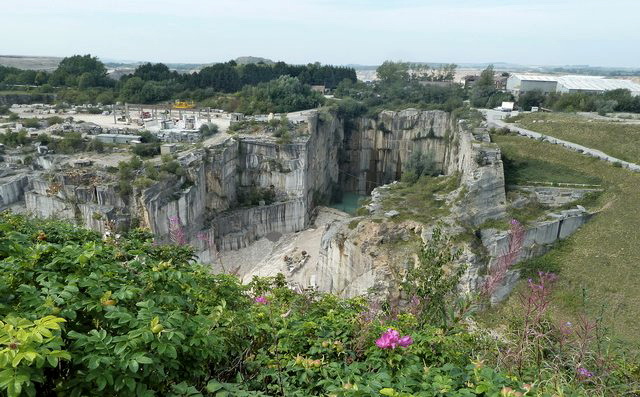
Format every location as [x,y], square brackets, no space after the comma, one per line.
[405,341]
[391,339]
[261,300]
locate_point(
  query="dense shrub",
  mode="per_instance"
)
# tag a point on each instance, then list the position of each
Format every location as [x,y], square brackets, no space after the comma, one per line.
[85,315]
[146,149]
[419,164]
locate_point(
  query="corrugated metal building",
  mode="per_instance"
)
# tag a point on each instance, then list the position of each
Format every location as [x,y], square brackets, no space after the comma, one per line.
[522,83]
[595,84]
[518,84]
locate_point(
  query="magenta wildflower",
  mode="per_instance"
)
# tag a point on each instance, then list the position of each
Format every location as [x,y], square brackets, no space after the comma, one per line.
[177,234]
[391,339]
[405,341]
[584,374]
[261,300]
[500,269]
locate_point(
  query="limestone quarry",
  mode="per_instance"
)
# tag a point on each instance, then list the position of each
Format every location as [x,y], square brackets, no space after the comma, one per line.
[255,204]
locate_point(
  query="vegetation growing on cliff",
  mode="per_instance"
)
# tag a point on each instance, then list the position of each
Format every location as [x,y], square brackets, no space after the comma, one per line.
[122,316]
[421,201]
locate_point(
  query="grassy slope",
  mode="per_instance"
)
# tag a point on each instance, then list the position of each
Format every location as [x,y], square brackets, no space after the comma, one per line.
[614,138]
[418,201]
[601,261]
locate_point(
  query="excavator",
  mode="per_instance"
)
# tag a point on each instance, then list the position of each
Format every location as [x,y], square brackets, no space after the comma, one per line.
[184,105]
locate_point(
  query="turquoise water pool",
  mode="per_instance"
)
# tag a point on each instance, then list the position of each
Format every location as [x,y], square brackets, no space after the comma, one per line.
[349,203]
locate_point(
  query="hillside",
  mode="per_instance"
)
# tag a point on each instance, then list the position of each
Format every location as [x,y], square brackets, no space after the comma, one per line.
[598,265]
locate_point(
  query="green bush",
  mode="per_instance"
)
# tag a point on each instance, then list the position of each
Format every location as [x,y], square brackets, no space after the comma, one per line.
[146,149]
[417,165]
[31,123]
[122,316]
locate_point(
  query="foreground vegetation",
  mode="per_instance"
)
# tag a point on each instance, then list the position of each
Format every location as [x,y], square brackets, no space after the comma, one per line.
[121,316]
[617,139]
[598,264]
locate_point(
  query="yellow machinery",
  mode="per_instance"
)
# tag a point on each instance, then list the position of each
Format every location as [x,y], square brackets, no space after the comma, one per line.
[184,105]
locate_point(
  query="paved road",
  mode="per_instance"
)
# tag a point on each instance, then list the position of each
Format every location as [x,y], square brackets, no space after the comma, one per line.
[494,119]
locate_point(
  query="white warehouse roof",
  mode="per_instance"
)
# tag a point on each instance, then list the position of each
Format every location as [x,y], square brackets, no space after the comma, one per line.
[589,83]
[534,77]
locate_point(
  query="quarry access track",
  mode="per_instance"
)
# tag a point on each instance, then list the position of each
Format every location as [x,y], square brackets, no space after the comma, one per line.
[494,119]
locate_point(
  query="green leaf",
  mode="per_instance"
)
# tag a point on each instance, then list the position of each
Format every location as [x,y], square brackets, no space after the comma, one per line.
[14,389]
[131,383]
[133,365]
[6,376]
[53,361]
[213,386]
[94,362]
[16,360]
[144,360]
[102,382]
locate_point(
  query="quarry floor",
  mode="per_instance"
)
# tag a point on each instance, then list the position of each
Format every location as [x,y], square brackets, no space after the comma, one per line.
[265,257]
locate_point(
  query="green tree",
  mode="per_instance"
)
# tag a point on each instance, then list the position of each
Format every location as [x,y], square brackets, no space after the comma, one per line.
[484,88]
[531,98]
[80,70]
[393,72]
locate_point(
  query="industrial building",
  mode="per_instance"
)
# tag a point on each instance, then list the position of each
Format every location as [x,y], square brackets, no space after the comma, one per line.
[519,84]
[595,84]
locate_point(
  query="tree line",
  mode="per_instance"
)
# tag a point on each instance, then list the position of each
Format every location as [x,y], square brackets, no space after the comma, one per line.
[83,78]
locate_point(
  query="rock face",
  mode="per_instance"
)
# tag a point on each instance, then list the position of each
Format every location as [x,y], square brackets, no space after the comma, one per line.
[538,240]
[207,201]
[12,189]
[351,261]
[375,151]
[480,165]
[10,99]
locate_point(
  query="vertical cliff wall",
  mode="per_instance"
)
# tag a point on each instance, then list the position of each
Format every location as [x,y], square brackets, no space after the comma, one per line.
[376,150]
[12,189]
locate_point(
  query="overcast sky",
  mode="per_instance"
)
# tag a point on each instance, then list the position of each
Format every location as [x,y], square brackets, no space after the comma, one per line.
[552,32]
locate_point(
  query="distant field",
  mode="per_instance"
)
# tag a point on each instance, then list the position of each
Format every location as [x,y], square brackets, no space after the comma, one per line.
[599,266]
[27,62]
[614,138]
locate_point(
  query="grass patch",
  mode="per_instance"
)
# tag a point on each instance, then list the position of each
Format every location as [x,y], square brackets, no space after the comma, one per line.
[548,262]
[500,224]
[524,171]
[417,201]
[600,261]
[614,138]
[530,212]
